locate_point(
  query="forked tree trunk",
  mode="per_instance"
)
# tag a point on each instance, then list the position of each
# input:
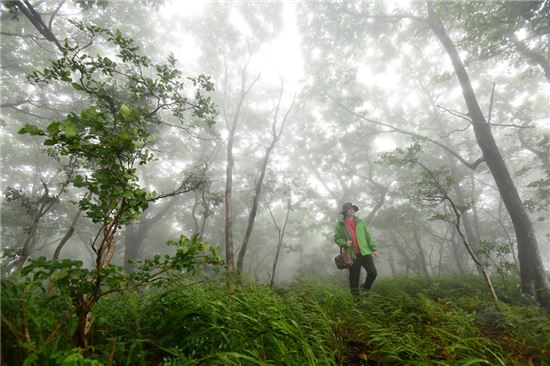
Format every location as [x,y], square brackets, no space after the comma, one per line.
[280,241]
[276,135]
[421,255]
[67,235]
[254,209]
[232,128]
[534,280]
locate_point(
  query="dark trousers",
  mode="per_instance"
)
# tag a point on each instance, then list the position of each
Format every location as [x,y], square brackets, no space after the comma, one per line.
[355,271]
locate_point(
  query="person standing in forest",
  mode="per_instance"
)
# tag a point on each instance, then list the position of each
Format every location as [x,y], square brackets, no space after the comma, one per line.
[352,234]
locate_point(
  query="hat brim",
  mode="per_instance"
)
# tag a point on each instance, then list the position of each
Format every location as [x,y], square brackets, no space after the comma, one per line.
[354,207]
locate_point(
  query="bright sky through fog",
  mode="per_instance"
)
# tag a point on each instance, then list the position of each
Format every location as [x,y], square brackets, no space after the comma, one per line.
[278,59]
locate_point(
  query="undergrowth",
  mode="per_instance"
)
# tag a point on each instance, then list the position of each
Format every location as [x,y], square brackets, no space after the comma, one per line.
[404,321]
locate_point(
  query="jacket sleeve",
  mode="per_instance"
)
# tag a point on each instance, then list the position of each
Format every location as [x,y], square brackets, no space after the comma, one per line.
[339,236]
[370,241]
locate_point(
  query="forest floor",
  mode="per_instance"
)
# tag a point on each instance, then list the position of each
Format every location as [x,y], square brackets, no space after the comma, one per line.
[403,321]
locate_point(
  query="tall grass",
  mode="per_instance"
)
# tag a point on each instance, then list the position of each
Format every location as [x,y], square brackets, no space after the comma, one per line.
[448,321]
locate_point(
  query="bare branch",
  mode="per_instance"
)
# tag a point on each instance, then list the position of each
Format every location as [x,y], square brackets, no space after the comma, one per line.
[14,104]
[52,17]
[472,166]
[464,116]
[491,103]
[183,188]
[36,20]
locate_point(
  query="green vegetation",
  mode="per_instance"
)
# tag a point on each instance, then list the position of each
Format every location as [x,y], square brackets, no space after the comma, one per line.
[185,322]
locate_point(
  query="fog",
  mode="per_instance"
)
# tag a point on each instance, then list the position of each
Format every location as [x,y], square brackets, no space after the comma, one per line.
[316,105]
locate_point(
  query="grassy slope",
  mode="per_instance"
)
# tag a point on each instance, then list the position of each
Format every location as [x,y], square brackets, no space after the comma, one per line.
[402,321]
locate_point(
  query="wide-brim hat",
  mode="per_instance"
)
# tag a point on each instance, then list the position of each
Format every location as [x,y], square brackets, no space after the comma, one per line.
[348,205]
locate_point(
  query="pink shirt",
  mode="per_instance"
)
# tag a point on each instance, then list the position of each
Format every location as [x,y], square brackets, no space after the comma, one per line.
[350,223]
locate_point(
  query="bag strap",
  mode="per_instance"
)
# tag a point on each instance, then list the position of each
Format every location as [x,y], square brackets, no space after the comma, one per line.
[345,230]
[346,234]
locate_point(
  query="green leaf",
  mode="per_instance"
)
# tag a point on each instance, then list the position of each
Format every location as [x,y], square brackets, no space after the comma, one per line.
[69,128]
[53,128]
[89,113]
[32,130]
[79,181]
[77,86]
[125,111]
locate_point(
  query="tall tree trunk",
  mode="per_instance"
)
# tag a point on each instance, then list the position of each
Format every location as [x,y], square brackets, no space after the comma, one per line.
[276,135]
[534,280]
[402,252]
[229,200]
[27,247]
[280,241]
[43,207]
[468,221]
[534,58]
[36,20]
[67,235]
[196,227]
[137,232]
[457,255]
[391,261]
[254,208]
[421,256]
[232,128]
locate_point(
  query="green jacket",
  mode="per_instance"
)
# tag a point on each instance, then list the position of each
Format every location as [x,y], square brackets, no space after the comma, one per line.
[366,243]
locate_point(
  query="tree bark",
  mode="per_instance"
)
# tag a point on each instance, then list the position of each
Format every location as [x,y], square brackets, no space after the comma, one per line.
[67,235]
[534,58]
[421,256]
[280,241]
[254,209]
[36,20]
[136,233]
[276,135]
[391,262]
[534,280]
[232,128]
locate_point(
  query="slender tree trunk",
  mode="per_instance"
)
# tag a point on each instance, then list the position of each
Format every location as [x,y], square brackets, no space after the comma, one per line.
[32,15]
[456,254]
[196,227]
[402,252]
[421,255]
[534,58]
[473,256]
[67,235]
[276,261]
[534,280]
[508,237]
[254,209]
[133,242]
[391,261]
[232,128]
[276,135]
[281,236]
[28,244]
[440,261]
[467,220]
[136,233]
[457,225]
[229,201]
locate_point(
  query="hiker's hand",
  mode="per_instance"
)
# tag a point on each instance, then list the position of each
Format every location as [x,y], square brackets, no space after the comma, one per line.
[374,253]
[348,243]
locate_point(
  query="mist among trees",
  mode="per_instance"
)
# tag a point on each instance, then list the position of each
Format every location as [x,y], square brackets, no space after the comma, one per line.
[172,172]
